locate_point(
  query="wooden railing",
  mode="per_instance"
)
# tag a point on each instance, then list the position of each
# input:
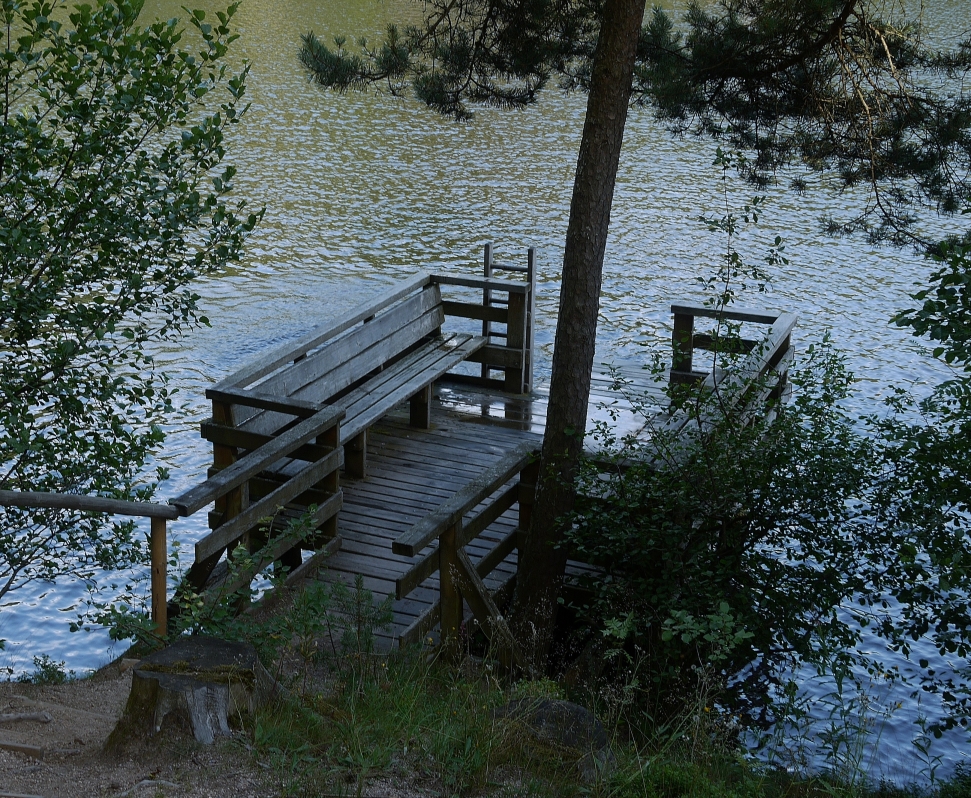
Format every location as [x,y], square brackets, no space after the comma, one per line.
[454,526]
[766,353]
[511,303]
[258,485]
[264,474]
[159,513]
[752,388]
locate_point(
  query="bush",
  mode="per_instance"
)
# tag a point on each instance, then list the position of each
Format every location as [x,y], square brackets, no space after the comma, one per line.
[728,553]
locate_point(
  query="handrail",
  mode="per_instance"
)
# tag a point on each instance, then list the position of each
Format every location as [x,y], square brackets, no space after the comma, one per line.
[454,508]
[510,286]
[251,464]
[756,363]
[684,341]
[459,579]
[158,546]
[91,504]
[730,313]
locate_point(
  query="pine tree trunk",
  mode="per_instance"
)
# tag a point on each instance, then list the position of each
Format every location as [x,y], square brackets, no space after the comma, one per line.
[542,565]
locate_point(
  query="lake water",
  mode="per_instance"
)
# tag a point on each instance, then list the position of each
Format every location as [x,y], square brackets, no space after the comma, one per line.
[363,189]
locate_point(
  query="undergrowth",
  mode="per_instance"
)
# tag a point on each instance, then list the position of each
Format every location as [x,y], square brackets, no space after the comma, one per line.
[362,719]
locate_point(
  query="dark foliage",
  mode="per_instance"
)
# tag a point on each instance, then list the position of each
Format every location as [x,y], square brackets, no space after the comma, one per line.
[112,201]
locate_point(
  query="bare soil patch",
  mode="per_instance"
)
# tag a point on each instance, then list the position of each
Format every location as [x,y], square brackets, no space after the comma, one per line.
[71,764]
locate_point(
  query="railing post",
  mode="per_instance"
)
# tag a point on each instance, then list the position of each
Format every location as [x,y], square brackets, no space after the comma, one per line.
[682,343]
[158,549]
[234,501]
[450,595]
[516,337]
[486,300]
[530,320]
[355,455]
[332,482]
[780,388]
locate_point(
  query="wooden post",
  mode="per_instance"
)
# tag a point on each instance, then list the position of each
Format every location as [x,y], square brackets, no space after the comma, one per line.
[332,482]
[421,408]
[486,300]
[530,320]
[355,455]
[237,500]
[682,342]
[223,456]
[779,391]
[516,337]
[226,507]
[159,553]
[451,597]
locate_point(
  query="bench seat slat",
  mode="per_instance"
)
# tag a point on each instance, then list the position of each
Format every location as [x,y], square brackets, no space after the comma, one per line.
[429,362]
[394,385]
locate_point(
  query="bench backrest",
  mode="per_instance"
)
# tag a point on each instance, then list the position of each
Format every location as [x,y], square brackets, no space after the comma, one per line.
[344,361]
[340,363]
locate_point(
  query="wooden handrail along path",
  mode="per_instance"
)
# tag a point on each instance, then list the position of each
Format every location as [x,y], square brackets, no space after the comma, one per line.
[754,387]
[159,513]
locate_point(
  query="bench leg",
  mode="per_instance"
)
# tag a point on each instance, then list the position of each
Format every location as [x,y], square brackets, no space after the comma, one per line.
[355,455]
[421,408]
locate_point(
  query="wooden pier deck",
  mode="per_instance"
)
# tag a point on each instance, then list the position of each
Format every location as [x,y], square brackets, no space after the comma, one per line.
[403,436]
[411,472]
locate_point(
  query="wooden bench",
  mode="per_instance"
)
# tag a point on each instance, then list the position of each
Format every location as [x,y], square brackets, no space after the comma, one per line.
[366,364]
[369,361]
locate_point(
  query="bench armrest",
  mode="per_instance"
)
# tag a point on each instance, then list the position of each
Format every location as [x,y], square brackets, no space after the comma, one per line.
[512,286]
[264,401]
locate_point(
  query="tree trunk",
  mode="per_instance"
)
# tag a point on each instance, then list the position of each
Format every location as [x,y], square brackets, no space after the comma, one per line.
[542,564]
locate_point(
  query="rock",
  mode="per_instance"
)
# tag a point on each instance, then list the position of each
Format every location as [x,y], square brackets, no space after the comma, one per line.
[567,727]
[198,683]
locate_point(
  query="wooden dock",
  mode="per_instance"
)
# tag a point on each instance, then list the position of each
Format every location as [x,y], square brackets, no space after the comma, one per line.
[404,437]
[407,432]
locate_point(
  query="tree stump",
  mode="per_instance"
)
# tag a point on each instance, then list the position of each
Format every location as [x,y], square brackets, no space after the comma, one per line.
[198,683]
